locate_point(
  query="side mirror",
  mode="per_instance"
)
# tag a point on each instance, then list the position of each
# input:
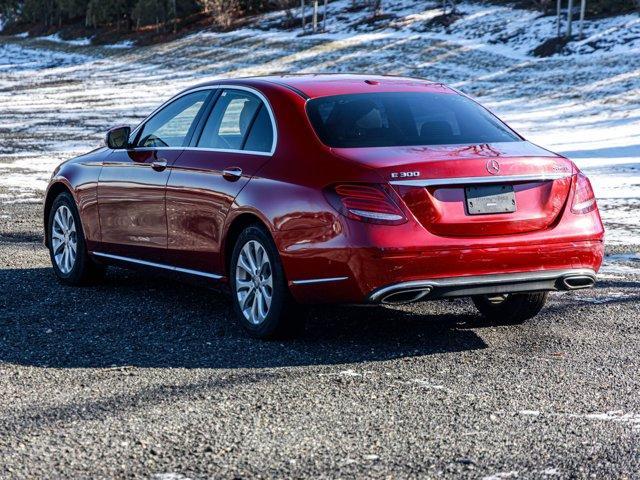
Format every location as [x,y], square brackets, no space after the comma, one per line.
[118,137]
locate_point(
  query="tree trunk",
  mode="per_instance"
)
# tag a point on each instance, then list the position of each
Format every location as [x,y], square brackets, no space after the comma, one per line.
[559,17]
[324,16]
[315,16]
[583,7]
[569,18]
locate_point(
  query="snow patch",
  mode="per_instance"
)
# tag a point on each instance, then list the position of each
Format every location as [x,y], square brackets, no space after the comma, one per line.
[81,42]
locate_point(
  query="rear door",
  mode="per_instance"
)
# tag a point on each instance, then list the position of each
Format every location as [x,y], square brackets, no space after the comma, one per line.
[131,186]
[232,142]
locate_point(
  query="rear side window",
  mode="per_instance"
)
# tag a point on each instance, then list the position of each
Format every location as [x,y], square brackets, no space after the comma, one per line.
[172,126]
[237,122]
[404,119]
[260,136]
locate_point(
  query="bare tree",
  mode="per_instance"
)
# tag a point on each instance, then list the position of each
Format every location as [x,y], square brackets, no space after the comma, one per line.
[558,18]
[583,7]
[569,18]
[315,16]
[324,16]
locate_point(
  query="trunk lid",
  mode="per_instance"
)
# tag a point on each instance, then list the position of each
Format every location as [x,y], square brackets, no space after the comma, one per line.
[460,190]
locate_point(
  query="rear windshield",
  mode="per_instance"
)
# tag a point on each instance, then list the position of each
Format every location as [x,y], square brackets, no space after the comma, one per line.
[404,118]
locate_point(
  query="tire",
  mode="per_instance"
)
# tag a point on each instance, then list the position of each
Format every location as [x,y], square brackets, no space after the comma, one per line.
[250,290]
[514,308]
[78,269]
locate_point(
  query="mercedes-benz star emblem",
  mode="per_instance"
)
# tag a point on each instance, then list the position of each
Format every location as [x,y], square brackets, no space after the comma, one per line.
[493,167]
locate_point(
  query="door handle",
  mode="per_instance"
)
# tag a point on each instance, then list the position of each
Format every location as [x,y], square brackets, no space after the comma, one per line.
[159,164]
[232,173]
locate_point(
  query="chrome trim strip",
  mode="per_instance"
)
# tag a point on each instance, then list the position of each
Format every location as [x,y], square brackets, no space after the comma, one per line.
[492,279]
[318,280]
[157,265]
[535,177]
[255,91]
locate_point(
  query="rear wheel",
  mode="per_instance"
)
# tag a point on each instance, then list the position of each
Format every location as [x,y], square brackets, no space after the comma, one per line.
[261,298]
[510,308]
[67,248]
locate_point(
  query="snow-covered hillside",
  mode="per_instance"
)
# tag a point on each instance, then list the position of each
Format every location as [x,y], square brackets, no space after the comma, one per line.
[58,98]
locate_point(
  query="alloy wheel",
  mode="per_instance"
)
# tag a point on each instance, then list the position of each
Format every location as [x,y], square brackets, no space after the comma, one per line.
[254,282]
[64,239]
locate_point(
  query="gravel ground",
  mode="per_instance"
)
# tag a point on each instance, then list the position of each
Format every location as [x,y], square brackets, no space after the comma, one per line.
[147,378]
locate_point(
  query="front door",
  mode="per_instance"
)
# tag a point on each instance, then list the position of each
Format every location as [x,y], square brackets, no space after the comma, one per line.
[132,183]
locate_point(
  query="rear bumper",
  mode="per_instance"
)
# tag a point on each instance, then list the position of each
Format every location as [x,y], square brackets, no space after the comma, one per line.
[407,292]
[358,275]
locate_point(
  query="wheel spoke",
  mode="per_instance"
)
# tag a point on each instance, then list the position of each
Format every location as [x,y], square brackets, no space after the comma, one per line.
[251,259]
[57,221]
[243,298]
[57,236]
[242,263]
[267,298]
[242,285]
[254,307]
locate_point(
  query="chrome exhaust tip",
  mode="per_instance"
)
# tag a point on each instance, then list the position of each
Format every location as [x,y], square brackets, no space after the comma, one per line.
[575,282]
[405,296]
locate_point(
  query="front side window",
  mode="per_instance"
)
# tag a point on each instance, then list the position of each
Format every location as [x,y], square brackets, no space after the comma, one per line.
[404,119]
[238,121]
[172,126]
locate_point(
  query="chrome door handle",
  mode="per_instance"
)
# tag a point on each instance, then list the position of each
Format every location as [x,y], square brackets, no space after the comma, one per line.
[159,164]
[232,173]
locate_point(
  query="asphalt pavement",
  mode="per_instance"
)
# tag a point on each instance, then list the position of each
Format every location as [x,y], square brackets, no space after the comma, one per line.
[144,377]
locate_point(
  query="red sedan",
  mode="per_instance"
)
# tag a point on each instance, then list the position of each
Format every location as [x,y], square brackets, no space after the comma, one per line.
[329,189]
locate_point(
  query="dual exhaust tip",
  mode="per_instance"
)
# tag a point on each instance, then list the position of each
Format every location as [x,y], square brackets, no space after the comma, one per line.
[566,282]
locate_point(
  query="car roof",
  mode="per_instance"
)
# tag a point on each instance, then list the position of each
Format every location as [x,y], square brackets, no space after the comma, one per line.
[326,84]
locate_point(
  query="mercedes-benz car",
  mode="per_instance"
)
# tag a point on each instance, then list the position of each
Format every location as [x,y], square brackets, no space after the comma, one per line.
[302,189]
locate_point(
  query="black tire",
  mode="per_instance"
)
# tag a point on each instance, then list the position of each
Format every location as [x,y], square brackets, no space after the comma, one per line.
[284,317]
[85,270]
[515,308]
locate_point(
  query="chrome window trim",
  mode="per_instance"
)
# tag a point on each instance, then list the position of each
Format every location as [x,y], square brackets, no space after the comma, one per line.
[252,90]
[157,265]
[429,182]
[318,280]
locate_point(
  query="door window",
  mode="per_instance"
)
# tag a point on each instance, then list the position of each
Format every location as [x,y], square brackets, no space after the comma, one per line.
[239,121]
[173,125]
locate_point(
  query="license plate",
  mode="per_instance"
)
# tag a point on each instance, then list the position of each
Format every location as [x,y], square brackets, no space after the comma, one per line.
[490,199]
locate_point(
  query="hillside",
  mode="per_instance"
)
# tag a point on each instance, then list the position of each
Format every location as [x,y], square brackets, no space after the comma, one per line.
[59,97]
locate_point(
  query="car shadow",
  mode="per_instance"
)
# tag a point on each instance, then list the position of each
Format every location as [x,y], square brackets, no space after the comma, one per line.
[131,319]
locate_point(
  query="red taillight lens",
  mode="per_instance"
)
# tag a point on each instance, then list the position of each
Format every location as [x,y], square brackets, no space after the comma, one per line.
[584,200]
[366,202]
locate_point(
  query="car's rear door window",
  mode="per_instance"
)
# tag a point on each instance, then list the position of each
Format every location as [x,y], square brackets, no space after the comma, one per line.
[403,119]
[230,120]
[173,125]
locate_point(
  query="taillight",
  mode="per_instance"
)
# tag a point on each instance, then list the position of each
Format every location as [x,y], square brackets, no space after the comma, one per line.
[584,200]
[371,203]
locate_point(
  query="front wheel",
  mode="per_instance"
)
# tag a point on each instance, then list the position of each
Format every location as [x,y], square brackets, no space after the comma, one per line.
[511,308]
[261,298]
[67,248]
